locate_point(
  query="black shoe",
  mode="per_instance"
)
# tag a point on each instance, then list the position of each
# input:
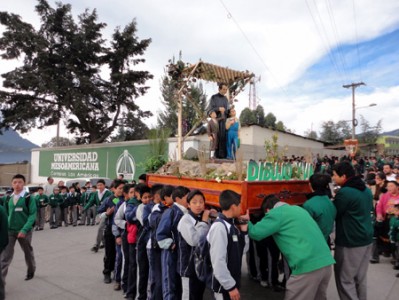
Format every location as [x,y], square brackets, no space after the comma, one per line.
[278,288]
[94,249]
[29,276]
[374,261]
[74,225]
[102,246]
[40,228]
[397,275]
[107,278]
[395,267]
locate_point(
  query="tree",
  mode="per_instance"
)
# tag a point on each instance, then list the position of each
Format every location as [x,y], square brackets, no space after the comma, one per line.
[270,121]
[193,96]
[62,141]
[280,126]
[311,134]
[260,115]
[132,129]
[369,134]
[247,117]
[69,71]
[335,132]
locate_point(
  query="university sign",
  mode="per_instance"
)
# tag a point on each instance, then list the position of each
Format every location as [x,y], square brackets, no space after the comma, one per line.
[106,162]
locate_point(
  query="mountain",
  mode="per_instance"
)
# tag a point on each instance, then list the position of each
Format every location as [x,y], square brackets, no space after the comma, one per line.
[14,148]
[393,132]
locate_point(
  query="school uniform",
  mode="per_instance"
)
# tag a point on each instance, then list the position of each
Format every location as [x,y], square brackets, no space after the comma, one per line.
[191,228]
[21,217]
[167,237]
[118,232]
[41,204]
[119,228]
[85,215]
[226,247]
[132,227]
[54,202]
[109,239]
[3,243]
[154,253]
[64,210]
[73,200]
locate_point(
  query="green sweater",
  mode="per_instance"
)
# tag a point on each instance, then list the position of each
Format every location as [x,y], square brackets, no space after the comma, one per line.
[297,236]
[41,200]
[323,211]
[354,226]
[3,229]
[20,217]
[394,229]
[95,200]
[55,200]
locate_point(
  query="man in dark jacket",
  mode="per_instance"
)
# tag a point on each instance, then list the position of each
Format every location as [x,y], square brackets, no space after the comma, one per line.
[220,105]
[354,232]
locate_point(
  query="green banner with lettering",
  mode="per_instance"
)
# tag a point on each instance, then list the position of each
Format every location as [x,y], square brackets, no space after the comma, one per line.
[266,171]
[98,161]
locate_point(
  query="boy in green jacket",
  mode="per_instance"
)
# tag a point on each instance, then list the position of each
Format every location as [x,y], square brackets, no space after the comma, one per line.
[354,232]
[21,212]
[55,200]
[302,244]
[3,243]
[41,202]
[319,205]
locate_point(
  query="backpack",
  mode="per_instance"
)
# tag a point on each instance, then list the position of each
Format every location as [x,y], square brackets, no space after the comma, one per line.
[202,258]
[27,201]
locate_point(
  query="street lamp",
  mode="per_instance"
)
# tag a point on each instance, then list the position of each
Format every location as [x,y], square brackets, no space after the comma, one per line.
[354,120]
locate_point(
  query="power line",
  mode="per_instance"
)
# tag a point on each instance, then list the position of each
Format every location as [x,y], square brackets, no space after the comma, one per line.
[230,16]
[326,44]
[335,31]
[357,41]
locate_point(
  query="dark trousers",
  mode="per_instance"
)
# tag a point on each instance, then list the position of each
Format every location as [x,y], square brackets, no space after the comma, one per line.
[142,264]
[171,280]
[125,251]
[155,274]
[109,256]
[269,255]
[8,253]
[197,288]
[40,217]
[118,263]
[131,290]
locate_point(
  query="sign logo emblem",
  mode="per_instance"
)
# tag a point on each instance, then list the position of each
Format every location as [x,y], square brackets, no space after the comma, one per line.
[125,165]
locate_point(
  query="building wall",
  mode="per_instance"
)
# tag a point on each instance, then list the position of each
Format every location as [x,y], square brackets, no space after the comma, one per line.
[50,161]
[7,171]
[252,139]
[391,144]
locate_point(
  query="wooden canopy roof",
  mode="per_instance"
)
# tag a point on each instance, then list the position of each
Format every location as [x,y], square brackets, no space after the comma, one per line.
[211,72]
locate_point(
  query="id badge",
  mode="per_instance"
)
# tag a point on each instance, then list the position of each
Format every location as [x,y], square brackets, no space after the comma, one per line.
[18,209]
[235,238]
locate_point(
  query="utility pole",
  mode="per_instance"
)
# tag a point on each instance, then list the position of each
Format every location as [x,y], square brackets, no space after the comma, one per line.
[354,121]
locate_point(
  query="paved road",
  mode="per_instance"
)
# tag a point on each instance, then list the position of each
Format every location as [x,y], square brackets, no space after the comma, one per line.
[66,269]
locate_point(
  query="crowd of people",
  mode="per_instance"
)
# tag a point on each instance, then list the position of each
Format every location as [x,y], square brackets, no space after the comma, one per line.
[152,235]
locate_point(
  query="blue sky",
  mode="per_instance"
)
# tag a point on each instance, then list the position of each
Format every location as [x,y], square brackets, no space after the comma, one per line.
[294,41]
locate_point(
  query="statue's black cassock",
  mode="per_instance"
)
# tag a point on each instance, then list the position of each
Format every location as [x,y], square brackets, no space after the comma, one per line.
[219,100]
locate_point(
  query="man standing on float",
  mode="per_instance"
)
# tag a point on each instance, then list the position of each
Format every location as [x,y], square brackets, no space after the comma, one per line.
[220,105]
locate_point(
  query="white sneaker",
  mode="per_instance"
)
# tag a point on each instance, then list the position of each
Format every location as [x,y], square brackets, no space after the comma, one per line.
[264,283]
